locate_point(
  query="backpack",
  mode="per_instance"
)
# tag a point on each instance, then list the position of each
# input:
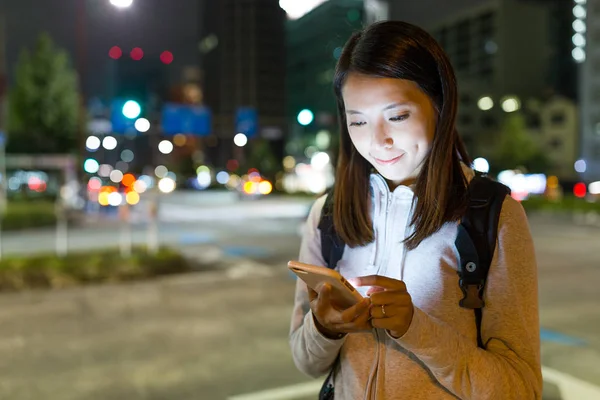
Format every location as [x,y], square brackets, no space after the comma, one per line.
[475,242]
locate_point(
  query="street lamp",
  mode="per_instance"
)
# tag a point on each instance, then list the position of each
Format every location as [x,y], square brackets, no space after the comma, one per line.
[121,3]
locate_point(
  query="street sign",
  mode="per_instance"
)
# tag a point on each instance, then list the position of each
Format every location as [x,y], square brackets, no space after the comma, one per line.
[187,119]
[120,123]
[246,121]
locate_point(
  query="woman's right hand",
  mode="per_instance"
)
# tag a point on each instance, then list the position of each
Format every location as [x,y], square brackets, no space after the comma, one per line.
[331,321]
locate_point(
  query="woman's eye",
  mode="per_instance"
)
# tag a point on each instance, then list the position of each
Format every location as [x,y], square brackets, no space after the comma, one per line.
[399,118]
[357,123]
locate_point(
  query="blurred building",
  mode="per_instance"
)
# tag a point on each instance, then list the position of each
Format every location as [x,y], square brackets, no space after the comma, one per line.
[506,53]
[555,130]
[314,44]
[243,60]
[589,97]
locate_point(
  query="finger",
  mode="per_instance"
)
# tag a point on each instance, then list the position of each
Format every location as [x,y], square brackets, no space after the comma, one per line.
[350,314]
[374,289]
[312,294]
[381,281]
[389,311]
[390,297]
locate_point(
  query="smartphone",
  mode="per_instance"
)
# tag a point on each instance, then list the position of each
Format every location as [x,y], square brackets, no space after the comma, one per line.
[342,292]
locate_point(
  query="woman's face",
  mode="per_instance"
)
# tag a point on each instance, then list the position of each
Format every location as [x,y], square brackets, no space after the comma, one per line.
[391,123]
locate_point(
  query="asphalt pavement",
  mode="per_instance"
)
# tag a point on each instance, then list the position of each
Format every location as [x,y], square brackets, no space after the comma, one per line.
[223,334]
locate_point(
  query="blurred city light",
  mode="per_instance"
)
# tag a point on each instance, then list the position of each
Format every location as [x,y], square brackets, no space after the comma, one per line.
[91,166]
[121,3]
[319,160]
[142,125]
[165,147]
[578,40]
[305,117]
[323,139]
[240,140]
[122,166]
[94,183]
[105,170]
[116,176]
[203,179]
[579,190]
[166,185]
[594,187]
[109,142]
[222,177]
[115,52]
[511,104]
[92,143]
[579,26]
[580,1]
[579,11]
[140,186]
[578,54]
[115,199]
[485,103]
[522,185]
[232,165]
[296,9]
[132,198]
[128,180]
[481,164]
[166,57]
[131,109]
[127,155]
[161,171]
[103,198]
[289,162]
[580,166]
[234,181]
[136,54]
[265,187]
[179,139]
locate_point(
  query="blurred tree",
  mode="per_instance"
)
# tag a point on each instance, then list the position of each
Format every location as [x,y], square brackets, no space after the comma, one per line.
[517,149]
[43,103]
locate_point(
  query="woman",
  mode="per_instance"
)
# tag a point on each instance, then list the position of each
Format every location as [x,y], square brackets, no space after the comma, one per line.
[399,195]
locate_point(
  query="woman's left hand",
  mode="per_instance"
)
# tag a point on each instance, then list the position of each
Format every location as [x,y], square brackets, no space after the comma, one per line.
[391,306]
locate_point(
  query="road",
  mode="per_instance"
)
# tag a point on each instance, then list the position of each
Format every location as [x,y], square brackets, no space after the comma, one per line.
[223,335]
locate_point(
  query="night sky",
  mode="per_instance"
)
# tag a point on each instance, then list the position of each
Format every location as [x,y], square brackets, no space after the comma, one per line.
[153,25]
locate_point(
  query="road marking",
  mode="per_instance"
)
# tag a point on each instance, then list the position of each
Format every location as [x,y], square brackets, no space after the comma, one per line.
[297,391]
[571,388]
[547,335]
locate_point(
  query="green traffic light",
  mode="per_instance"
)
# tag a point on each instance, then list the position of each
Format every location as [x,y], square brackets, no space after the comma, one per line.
[132,109]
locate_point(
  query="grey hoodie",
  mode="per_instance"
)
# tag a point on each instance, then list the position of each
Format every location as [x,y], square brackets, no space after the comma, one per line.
[437,358]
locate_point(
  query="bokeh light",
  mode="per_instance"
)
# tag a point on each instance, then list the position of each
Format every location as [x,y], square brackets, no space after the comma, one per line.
[166,57]
[137,53]
[115,52]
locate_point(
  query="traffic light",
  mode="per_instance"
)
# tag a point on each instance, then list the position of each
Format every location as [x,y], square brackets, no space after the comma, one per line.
[131,109]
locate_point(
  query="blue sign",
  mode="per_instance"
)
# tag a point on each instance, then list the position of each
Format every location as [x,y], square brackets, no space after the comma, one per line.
[120,123]
[180,118]
[246,121]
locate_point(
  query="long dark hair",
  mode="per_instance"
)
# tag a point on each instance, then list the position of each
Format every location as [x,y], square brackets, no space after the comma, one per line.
[394,49]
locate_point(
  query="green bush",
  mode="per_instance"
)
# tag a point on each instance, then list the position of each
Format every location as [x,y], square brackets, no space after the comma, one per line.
[28,214]
[49,271]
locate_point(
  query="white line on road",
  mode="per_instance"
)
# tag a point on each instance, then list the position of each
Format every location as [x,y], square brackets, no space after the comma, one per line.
[283,393]
[571,388]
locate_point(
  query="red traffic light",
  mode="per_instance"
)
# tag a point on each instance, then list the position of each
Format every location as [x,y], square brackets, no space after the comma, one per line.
[137,54]
[115,52]
[166,57]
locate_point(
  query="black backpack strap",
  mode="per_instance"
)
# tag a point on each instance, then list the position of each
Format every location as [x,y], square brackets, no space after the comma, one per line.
[332,247]
[476,242]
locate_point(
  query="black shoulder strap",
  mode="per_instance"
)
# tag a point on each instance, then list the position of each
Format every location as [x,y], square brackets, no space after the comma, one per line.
[476,242]
[332,247]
